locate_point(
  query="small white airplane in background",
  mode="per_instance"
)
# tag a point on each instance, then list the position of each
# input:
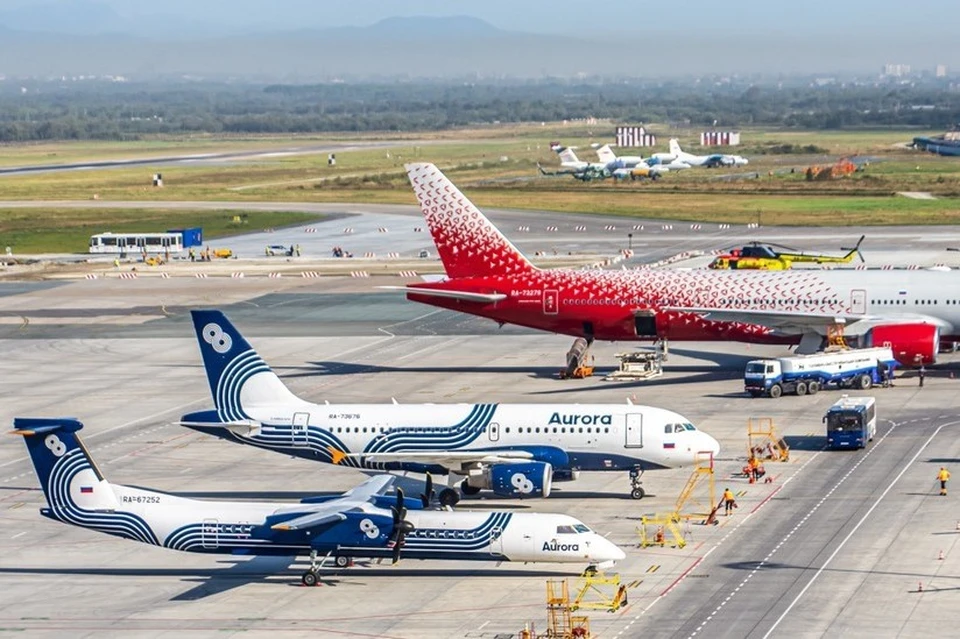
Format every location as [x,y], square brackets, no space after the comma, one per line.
[710,161]
[633,165]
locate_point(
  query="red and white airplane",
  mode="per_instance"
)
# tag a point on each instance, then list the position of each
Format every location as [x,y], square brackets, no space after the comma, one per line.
[912,311]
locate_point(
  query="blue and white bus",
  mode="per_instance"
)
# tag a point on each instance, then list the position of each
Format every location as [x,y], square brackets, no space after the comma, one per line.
[851,422]
[136,243]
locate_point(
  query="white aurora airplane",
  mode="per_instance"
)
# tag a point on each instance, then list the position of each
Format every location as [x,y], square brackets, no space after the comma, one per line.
[363,522]
[511,449]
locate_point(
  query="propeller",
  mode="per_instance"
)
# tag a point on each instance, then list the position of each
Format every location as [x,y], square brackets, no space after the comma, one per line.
[856,248]
[401,527]
[426,498]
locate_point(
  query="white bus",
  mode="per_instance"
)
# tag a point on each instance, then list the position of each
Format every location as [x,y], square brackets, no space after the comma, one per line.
[136,243]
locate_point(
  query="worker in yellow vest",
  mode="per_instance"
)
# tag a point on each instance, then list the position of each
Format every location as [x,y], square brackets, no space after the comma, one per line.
[943,477]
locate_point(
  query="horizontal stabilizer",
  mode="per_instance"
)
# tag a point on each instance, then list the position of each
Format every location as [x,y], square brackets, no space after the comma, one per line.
[244,427]
[467,296]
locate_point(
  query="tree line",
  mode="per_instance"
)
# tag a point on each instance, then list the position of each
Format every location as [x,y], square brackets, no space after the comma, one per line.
[105,111]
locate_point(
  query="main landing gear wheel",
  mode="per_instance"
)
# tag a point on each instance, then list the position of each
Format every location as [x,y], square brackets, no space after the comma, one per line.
[310,578]
[467,489]
[341,561]
[448,497]
[636,490]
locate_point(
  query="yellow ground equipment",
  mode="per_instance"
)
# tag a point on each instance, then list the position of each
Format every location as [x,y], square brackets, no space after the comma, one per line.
[222,252]
[578,365]
[699,496]
[560,623]
[607,592]
[763,441]
[653,531]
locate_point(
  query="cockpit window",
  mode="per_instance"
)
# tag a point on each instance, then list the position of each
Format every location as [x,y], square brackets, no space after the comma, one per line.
[689,426]
[581,528]
[668,429]
[566,530]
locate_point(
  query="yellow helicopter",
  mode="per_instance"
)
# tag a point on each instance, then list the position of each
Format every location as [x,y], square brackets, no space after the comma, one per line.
[764,257]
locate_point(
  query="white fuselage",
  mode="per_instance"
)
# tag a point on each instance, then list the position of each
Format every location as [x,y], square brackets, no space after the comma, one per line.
[594,437]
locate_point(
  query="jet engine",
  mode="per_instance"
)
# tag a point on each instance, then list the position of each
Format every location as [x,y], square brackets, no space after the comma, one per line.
[912,344]
[524,479]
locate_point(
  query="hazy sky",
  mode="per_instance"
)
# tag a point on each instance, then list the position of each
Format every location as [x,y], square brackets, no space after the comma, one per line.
[909,20]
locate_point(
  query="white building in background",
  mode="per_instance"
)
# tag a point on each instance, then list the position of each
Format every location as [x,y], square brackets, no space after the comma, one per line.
[941,71]
[896,70]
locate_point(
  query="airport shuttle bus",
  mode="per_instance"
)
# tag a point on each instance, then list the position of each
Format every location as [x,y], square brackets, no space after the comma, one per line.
[851,422]
[136,243]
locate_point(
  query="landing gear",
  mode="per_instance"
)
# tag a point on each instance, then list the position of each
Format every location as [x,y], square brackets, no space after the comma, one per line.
[342,561]
[312,576]
[577,365]
[636,490]
[448,497]
[467,489]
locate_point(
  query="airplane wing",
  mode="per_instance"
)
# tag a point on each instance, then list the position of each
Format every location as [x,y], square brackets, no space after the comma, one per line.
[311,520]
[467,296]
[449,458]
[797,322]
[333,511]
[374,486]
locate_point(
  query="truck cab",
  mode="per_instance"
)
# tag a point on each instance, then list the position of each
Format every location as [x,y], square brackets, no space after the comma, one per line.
[761,375]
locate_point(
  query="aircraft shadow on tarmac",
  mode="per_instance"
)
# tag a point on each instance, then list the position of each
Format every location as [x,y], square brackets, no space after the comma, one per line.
[805,442]
[279,570]
[319,369]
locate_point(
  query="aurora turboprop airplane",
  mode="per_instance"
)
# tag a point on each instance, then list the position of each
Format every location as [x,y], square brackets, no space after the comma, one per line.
[363,522]
[912,311]
[514,450]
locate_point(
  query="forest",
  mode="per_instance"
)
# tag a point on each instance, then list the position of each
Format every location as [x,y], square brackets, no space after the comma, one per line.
[101,110]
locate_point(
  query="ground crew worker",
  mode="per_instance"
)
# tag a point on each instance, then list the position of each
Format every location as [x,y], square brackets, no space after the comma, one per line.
[754,466]
[943,477]
[297,249]
[729,503]
[116,262]
[923,373]
[193,255]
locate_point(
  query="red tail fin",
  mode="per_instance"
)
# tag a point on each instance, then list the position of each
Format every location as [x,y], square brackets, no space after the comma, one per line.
[468,243]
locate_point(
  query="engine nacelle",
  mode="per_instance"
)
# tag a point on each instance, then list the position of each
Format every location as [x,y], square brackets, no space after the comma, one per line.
[523,479]
[912,344]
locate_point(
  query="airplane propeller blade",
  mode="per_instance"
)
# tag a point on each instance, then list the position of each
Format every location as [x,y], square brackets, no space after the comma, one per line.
[427,497]
[401,527]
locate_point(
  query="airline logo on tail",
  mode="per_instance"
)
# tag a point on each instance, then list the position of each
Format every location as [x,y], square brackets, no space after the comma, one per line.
[468,244]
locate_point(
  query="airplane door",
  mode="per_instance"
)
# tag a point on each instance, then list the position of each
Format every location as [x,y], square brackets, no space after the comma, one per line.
[494,430]
[551,302]
[634,430]
[209,533]
[496,540]
[858,302]
[300,429]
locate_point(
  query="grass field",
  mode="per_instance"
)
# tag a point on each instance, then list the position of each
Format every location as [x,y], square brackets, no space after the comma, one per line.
[496,167]
[68,230]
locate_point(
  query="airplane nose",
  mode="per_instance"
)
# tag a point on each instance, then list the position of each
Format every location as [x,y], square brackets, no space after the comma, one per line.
[710,444]
[607,551]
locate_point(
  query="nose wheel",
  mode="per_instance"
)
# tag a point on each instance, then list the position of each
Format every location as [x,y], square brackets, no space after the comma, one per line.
[636,487]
